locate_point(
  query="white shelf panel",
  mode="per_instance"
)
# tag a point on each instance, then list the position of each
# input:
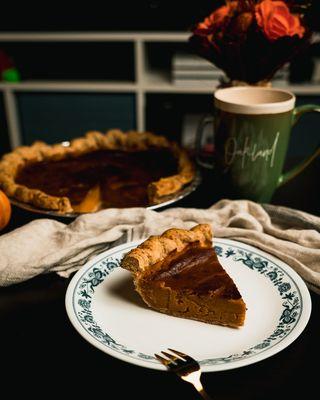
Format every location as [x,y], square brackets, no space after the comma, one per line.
[153,77]
[94,36]
[160,81]
[311,89]
[70,86]
[153,82]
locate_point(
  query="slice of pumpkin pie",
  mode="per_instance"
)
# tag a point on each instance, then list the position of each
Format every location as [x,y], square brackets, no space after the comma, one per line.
[178,273]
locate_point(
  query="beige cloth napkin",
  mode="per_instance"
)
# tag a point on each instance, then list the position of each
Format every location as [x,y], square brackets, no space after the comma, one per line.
[47,245]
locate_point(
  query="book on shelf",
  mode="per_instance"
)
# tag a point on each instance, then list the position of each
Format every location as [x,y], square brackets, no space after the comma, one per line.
[191,70]
[213,83]
[197,74]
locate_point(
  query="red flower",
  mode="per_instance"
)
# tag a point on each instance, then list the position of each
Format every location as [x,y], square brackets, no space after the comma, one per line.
[276,20]
[217,18]
[241,37]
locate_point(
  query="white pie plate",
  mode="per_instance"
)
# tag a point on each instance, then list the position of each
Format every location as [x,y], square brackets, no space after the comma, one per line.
[104,308]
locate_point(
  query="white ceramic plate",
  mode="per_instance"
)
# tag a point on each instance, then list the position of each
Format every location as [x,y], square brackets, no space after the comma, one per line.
[104,308]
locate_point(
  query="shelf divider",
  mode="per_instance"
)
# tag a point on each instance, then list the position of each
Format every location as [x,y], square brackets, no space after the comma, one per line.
[10,103]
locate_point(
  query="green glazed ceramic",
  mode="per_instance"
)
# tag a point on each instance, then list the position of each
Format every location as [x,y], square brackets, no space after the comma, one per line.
[252,128]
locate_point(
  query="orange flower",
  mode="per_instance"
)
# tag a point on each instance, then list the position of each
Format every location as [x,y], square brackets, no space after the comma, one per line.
[242,22]
[276,20]
[215,19]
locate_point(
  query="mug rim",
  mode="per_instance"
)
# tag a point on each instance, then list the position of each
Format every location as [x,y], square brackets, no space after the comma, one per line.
[276,107]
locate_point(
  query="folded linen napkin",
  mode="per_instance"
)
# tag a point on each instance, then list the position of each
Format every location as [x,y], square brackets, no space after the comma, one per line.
[46,245]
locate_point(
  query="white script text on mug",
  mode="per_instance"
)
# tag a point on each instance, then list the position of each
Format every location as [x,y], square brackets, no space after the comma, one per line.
[248,151]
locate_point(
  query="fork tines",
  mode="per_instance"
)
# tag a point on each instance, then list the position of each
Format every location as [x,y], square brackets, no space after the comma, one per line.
[186,367]
[173,358]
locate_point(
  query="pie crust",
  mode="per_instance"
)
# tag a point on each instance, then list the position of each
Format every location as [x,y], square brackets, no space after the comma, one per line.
[162,280]
[131,141]
[141,260]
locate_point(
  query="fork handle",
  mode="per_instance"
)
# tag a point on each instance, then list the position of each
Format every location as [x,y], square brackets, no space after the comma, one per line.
[204,394]
[198,386]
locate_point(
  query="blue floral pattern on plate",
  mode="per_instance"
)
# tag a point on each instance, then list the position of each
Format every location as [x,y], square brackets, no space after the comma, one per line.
[288,291]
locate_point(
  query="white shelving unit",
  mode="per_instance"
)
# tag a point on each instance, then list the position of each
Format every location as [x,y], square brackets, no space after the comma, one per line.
[146,80]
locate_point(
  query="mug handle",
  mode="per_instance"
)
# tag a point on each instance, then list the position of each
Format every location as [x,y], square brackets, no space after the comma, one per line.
[207,119]
[297,114]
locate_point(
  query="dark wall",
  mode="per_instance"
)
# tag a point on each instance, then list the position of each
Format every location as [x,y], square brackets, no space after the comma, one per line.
[104,16]
[115,15]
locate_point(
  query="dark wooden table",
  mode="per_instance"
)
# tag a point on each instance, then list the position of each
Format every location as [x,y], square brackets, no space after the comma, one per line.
[42,354]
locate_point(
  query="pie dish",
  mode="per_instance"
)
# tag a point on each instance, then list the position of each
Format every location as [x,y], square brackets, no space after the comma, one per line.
[115,169]
[178,273]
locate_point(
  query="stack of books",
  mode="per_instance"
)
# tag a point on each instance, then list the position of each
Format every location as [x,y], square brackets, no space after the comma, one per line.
[191,70]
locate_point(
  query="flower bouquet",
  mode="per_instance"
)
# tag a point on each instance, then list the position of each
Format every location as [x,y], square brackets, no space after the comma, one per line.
[251,39]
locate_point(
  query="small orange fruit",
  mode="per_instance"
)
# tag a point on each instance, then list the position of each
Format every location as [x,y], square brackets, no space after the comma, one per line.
[5,210]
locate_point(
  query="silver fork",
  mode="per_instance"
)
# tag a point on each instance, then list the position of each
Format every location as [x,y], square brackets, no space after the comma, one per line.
[184,366]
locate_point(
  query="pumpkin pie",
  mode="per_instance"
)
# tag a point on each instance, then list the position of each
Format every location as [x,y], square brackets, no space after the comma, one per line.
[97,171]
[178,273]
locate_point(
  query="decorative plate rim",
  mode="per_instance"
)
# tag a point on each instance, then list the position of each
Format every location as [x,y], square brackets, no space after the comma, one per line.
[283,335]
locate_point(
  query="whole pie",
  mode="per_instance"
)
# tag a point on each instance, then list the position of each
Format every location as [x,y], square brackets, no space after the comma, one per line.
[114,169]
[178,273]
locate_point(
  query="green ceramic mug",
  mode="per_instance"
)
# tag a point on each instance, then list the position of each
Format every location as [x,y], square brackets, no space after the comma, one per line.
[252,129]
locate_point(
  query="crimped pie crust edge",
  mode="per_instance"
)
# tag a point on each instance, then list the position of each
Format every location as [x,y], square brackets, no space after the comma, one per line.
[115,139]
[156,248]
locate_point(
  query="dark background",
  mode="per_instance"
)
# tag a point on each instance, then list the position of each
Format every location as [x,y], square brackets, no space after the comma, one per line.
[114,61]
[159,15]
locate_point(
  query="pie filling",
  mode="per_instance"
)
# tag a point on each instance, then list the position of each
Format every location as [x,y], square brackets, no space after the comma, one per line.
[195,270]
[101,179]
